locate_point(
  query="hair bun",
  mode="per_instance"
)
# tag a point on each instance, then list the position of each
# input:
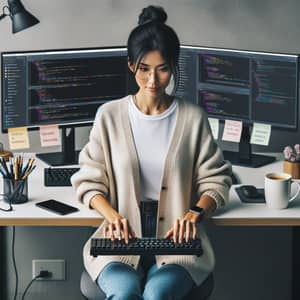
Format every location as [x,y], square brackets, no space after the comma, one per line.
[152,14]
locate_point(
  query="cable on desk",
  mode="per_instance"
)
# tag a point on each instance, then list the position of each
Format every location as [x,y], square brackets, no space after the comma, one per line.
[9,203]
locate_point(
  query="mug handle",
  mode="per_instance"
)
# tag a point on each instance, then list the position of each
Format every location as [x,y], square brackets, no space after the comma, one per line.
[298,190]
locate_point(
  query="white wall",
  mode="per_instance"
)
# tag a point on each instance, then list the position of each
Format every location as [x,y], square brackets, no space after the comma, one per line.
[269,25]
[262,25]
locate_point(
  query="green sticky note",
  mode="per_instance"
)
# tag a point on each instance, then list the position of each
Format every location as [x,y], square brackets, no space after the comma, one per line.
[214,125]
[260,134]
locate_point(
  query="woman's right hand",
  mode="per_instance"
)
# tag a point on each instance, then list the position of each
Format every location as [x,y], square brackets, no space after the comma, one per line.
[118,226]
[118,229]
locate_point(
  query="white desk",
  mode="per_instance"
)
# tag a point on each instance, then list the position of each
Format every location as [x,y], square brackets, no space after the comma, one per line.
[28,214]
[242,214]
[235,214]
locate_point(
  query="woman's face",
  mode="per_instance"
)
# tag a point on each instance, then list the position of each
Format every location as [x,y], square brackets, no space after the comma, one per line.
[152,74]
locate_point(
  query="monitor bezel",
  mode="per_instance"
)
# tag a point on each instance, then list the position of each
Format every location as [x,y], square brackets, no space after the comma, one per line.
[254,52]
[183,46]
[52,51]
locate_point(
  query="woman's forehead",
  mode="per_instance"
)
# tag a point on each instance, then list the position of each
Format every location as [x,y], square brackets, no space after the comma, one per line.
[153,57]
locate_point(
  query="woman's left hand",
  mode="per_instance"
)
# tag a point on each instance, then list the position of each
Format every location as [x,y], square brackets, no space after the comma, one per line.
[184,228]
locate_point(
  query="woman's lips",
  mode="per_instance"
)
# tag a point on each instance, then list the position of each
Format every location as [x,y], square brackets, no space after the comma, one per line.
[152,89]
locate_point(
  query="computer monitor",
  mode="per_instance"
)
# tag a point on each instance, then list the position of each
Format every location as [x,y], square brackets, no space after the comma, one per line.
[63,87]
[246,86]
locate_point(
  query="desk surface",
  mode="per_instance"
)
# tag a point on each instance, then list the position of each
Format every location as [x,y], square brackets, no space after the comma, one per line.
[28,214]
[235,213]
[258,214]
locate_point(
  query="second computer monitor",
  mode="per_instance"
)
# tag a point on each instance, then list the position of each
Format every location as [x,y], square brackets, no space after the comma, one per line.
[245,86]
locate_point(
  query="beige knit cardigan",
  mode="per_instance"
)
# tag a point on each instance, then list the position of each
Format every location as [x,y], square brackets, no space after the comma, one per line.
[109,166]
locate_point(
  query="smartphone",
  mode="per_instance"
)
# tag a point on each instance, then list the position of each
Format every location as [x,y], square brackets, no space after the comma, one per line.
[57,207]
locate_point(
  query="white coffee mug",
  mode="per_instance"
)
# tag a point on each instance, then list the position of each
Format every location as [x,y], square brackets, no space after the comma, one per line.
[278,190]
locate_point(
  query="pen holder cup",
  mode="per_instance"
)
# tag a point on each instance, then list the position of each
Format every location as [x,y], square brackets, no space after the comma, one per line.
[15,191]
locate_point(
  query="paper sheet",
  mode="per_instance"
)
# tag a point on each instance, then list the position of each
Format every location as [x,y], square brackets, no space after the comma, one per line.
[49,136]
[18,138]
[260,134]
[214,125]
[232,131]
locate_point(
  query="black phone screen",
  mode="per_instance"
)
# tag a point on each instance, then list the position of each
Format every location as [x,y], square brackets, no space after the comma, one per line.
[57,207]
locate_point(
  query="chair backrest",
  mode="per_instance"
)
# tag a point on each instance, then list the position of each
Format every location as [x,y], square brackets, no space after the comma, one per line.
[91,291]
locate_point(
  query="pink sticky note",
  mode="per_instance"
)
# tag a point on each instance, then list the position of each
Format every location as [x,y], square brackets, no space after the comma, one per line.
[49,136]
[232,131]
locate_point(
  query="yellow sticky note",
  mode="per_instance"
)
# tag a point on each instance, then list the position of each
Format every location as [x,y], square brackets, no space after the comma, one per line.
[18,138]
[260,134]
[214,126]
[49,135]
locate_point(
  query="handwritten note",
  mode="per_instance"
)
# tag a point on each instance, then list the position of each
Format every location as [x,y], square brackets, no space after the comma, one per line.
[214,125]
[260,134]
[232,131]
[18,138]
[49,136]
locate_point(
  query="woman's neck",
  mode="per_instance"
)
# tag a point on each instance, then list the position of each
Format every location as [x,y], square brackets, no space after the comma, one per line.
[152,105]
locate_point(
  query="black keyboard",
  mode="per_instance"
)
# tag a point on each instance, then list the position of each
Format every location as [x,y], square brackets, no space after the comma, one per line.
[145,246]
[58,176]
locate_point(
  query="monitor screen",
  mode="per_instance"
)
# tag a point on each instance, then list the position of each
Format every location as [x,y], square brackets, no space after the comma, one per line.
[66,87]
[63,87]
[241,85]
[247,86]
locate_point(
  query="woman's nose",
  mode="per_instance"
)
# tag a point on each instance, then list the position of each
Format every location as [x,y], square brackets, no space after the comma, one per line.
[152,77]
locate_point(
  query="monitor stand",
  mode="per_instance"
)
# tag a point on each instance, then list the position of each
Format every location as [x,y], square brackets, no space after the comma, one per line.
[245,157]
[68,155]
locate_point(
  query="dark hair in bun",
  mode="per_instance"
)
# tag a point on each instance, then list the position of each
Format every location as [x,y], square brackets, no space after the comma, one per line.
[152,14]
[152,34]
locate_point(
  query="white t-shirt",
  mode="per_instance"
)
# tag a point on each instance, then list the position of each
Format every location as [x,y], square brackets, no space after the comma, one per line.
[152,136]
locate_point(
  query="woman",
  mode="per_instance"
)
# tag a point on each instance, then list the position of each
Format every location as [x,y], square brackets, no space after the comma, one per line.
[151,168]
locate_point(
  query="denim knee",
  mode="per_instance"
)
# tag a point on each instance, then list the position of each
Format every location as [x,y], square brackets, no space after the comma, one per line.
[120,282]
[169,282]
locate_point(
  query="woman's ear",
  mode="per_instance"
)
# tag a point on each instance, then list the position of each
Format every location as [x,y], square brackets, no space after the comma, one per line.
[131,66]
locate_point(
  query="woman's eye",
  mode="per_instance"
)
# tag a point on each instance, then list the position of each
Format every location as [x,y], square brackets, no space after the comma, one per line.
[143,69]
[164,69]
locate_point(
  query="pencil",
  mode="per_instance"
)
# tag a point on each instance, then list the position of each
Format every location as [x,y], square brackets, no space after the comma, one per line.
[25,168]
[3,163]
[11,168]
[28,172]
[1,171]
[16,169]
[28,165]
[21,165]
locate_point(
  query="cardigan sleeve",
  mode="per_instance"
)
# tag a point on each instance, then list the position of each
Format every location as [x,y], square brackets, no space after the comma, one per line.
[212,172]
[92,178]
[216,196]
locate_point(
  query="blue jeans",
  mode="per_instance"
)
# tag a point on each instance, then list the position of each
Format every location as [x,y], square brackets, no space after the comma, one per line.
[121,282]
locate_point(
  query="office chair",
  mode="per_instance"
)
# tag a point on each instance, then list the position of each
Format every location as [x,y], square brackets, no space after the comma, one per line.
[90,290]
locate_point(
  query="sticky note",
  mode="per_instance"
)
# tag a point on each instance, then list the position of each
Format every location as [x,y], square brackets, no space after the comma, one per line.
[214,125]
[49,136]
[232,131]
[260,134]
[18,138]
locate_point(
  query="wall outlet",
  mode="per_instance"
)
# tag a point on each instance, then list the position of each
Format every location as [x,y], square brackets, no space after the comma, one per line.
[55,266]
